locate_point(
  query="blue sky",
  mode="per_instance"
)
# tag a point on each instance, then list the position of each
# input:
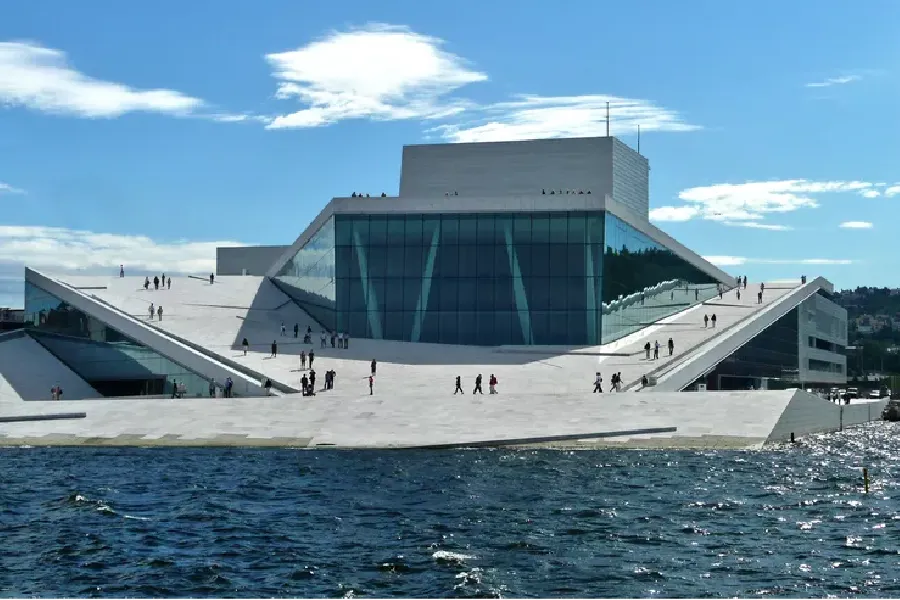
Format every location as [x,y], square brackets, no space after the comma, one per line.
[148,133]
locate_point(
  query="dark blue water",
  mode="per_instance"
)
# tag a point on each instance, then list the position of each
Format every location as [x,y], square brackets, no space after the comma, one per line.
[255,523]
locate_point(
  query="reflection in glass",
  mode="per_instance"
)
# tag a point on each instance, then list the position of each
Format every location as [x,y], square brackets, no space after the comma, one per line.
[309,276]
[112,363]
[574,278]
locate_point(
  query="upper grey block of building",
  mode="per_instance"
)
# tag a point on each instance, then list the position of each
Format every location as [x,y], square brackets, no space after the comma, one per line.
[247,260]
[603,165]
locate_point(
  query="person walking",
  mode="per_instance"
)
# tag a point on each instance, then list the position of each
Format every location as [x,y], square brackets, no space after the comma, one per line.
[458,389]
[371,383]
[374,364]
[619,381]
[492,384]
[246,345]
[477,389]
[152,311]
[312,356]
[229,386]
[121,270]
[671,346]
[303,359]
[713,319]
[159,312]
[656,350]
[169,282]
[268,386]
[212,388]
[274,349]
[647,351]
[598,381]
[705,321]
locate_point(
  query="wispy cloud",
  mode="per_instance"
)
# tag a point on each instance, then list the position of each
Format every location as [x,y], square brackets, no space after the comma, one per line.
[41,79]
[532,117]
[831,81]
[379,71]
[892,191]
[57,248]
[856,225]
[748,204]
[5,188]
[735,261]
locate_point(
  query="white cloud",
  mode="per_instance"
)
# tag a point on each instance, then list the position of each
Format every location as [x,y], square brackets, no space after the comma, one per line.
[834,81]
[378,72]
[533,117]
[747,204]
[892,191]
[870,193]
[856,225]
[5,188]
[39,78]
[734,261]
[58,248]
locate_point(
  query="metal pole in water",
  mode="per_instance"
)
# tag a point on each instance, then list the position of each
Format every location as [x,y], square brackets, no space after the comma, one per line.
[792,438]
[866,479]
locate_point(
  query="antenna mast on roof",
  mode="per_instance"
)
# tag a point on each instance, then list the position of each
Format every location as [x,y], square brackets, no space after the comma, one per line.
[607,119]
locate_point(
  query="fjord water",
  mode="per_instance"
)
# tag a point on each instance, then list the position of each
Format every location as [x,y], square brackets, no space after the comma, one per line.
[115,522]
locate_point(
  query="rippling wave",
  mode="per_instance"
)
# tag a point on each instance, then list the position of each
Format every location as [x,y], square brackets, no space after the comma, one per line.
[114,522]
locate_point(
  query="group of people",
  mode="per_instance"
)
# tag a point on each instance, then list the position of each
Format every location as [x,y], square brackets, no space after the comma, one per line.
[615,382]
[166,283]
[655,348]
[158,311]
[492,383]
[227,389]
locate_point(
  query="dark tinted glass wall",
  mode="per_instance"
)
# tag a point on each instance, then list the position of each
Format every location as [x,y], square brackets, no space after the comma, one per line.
[309,276]
[493,279]
[643,281]
[110,361]
[773,355]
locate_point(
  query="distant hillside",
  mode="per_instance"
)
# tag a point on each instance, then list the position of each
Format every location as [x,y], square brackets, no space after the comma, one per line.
[873,324]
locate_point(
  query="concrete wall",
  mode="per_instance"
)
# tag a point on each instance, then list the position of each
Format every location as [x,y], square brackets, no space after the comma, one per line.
[821,318]
[807,413]
[507,168]
[140,332]
[255,259]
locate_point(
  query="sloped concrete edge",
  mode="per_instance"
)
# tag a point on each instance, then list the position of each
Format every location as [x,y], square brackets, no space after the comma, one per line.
[807,413]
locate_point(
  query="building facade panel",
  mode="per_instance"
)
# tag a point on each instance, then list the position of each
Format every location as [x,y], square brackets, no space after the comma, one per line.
[496,169]
[247,260]
[823,340]
[111,362]
[630,179]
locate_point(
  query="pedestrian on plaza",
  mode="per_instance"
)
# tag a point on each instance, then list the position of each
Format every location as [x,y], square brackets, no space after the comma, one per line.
[152,311]
[246,345]
[169,283]
[121,270]
[477,389]
[713,319]
[458,389]
[324,337]
[346,341]
[647,351]
[374,364]
[304,385]
[296,329]
[303,359]
[598,380]
[155,282]
[283,330]
[212,388]
[656,350]
[371,384]
[705,321]
[671,346]
[492,384]
[268,386]
[212,278]
[312,382]
[274,349]
[312,355]
[159,312]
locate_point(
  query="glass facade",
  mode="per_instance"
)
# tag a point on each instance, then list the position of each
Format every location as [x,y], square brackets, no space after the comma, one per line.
[773,355]
[309,277]
[537,278]
[112,363]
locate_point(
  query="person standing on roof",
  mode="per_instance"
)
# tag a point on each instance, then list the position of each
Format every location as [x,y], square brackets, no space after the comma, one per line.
[283,330]
[598,381]
[371,384]
[152,310]
[374,364]
[713,319]
[303,359]
[647,351]
[246,345]
[477,389]
[274,349]
[671,346]
[155,282]
[296,329]
[705,321]
[458,389]
[159,312]
[492,384]
[655,349]
[212,278]
[169,283]
[312,356]
[121,270]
